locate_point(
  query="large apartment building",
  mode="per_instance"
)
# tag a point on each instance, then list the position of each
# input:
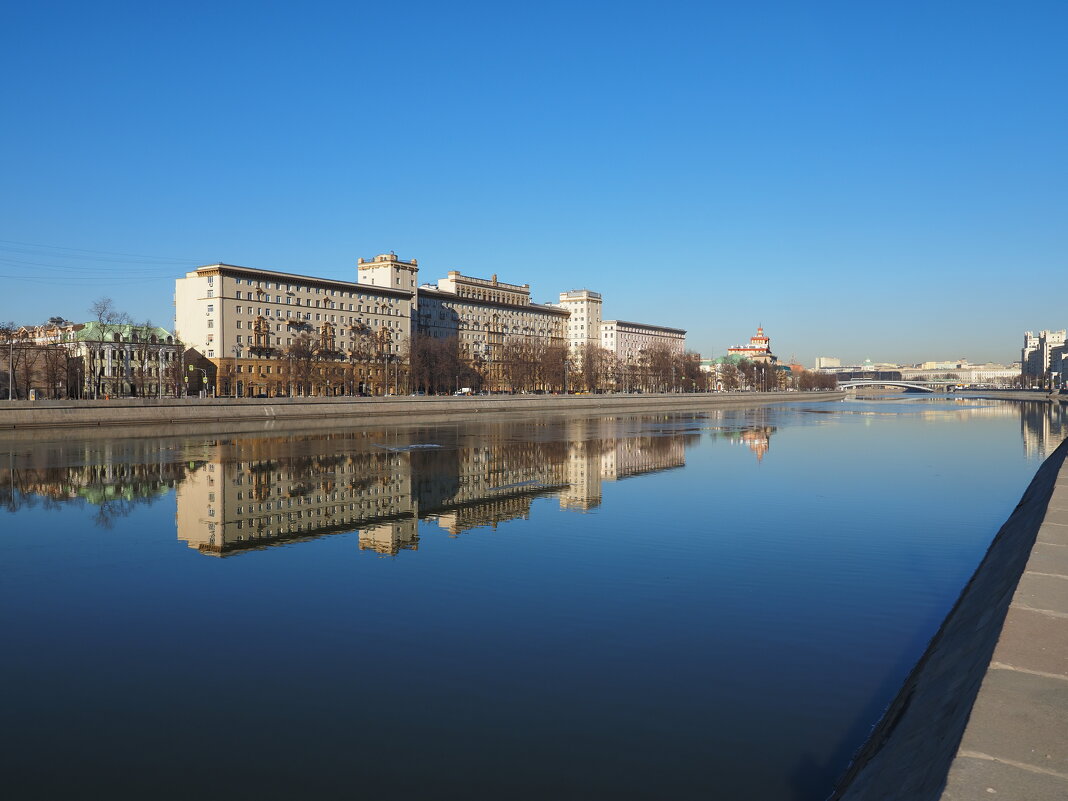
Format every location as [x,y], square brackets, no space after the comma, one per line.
[1044,354]
[246,322]
[274,333]
[628,341]
[484,314]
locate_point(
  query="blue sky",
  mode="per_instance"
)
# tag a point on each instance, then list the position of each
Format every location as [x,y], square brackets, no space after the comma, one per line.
[884,180]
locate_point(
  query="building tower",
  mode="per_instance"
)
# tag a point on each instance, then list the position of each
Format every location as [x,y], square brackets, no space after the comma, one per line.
[387,270]
[584,325]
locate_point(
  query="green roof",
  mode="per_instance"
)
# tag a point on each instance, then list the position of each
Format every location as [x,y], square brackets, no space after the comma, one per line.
[93,331]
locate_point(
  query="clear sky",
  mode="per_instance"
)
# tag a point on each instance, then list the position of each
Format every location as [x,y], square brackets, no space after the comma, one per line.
[884,180]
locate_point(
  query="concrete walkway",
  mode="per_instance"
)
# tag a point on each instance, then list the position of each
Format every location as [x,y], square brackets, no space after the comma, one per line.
[1015,745]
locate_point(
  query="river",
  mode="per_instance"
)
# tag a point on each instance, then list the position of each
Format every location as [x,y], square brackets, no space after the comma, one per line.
[690,605]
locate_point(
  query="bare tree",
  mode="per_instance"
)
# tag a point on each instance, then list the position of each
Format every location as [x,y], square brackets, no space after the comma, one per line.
[553,367]
[109,323]
[300,364]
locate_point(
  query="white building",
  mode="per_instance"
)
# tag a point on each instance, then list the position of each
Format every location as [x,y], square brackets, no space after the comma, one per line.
[628,341]
[584,322]
[1043,354]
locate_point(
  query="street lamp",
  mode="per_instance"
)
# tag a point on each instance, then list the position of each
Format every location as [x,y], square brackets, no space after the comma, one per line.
[203,373]
[233,378]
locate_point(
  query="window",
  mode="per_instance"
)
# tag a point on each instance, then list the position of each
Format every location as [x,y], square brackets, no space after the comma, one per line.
[211,307]
[211,323]
[211,293]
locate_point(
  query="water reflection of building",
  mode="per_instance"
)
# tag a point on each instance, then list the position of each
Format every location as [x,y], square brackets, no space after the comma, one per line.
[758,439]
[1043,427]
[749,427]
[255,493]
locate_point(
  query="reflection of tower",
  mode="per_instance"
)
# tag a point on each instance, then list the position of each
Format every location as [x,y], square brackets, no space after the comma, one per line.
[758,440]
[391,538]
[583,476]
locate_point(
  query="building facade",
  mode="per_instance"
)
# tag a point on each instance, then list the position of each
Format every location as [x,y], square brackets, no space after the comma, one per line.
[490,320]
[95,360]
[1043,356]
[273,333]
[629,341]
[584,323]
[758,349]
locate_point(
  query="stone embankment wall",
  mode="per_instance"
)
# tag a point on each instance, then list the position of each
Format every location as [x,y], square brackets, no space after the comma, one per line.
[154,412]
[909,753]
[1038,395]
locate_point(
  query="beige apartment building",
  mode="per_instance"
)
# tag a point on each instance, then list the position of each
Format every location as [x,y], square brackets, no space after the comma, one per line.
[484,315]
[246,321]
[277,333]
[584,322]
[629,340]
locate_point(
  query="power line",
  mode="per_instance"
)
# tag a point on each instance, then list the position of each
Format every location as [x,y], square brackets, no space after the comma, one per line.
[87,278]
[101,252]
[166,270]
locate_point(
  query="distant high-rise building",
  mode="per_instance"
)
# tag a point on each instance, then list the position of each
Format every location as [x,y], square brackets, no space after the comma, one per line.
[1043,354]
[827,361]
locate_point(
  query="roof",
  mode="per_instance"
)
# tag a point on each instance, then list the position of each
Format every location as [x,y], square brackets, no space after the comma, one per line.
[645,325]
[255,272]
[538,307]
[93,331]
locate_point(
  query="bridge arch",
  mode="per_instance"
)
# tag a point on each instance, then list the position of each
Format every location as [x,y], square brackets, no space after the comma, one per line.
[861,382]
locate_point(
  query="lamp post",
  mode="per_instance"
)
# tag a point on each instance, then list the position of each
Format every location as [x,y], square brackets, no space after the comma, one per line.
[204,374]
[233,378]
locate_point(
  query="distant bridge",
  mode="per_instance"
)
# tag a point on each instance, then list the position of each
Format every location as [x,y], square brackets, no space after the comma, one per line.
[874,382]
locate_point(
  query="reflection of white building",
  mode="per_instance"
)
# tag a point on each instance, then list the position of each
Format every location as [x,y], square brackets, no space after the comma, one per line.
[1044,427]
[255,493]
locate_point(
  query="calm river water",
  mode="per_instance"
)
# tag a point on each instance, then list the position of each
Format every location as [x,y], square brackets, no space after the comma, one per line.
[689,606]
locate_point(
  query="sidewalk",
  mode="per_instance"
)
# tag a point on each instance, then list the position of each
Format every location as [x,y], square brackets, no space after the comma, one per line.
[1015,745]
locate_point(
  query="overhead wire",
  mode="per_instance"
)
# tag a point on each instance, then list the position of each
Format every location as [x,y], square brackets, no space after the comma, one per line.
[75,251]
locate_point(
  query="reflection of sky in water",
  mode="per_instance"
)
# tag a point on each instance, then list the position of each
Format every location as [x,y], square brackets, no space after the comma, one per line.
[713,605]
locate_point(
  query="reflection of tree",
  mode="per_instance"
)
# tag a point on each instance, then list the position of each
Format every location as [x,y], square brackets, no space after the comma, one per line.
[113,489]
